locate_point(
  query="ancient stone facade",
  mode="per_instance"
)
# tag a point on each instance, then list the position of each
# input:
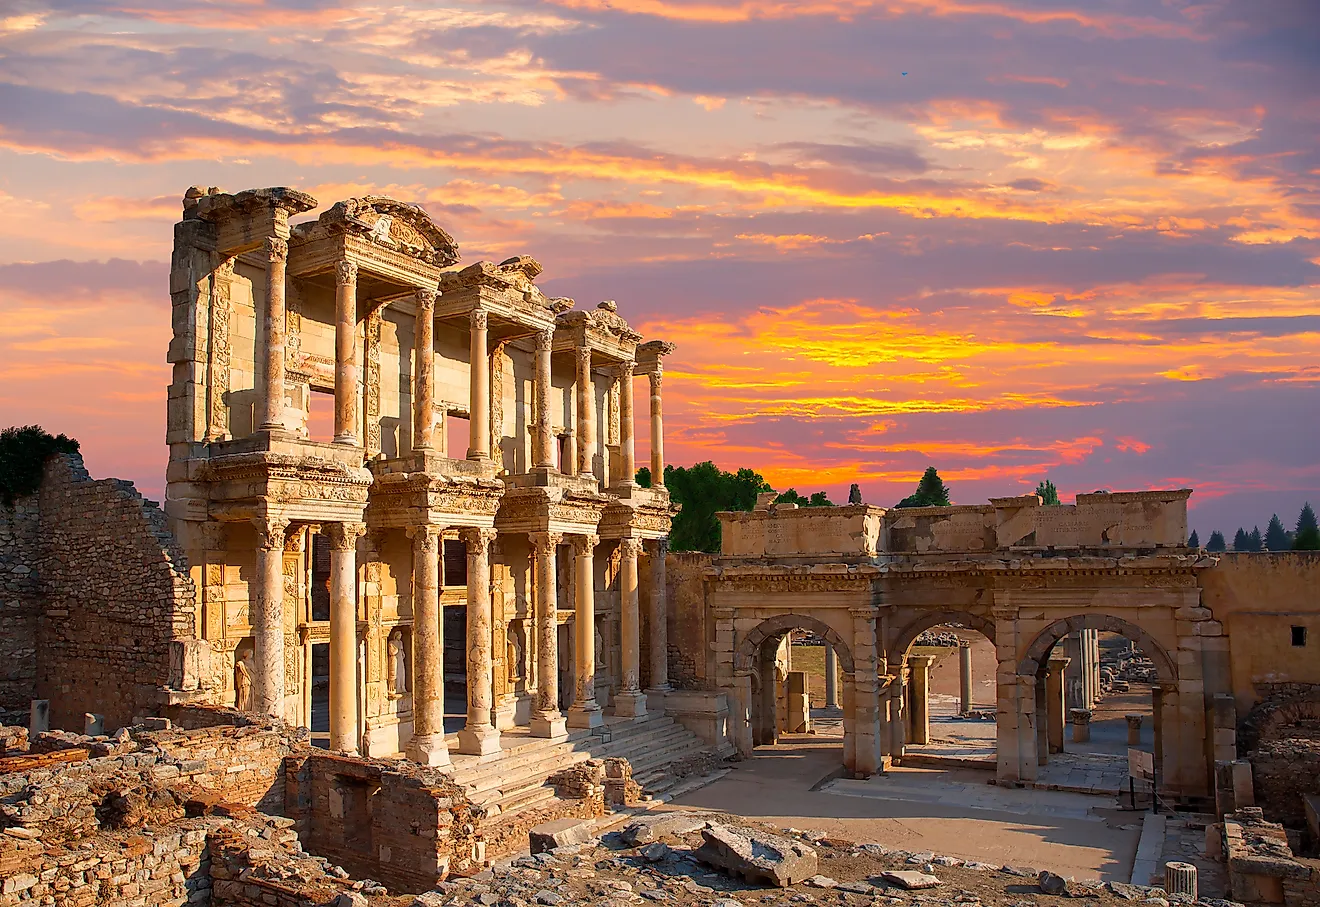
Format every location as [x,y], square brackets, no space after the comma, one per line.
[469,527]
[869,582]
[20,606]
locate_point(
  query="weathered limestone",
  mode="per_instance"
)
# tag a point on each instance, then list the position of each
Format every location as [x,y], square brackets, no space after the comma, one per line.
[543,450]
[1055,707]
[831,678]
[1080,719]
[630,701]
[547,721]
[427,745]
[1134,729]
[585,397]
[658,619]
[657,429]
[585,711]
[479,737]
[626,447]
[273,318]
[268,619]
[424,363]
[346,365]
[965,676]
[479,428]
[343,635]
[919,665]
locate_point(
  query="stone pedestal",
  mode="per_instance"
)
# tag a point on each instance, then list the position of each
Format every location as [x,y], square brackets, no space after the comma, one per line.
[585,711]
[1081,724]
[1134,728]
[38,718]
[479,736]
[965,676]
[919,681]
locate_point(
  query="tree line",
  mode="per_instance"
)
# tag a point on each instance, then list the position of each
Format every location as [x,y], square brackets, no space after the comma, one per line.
[1305,536]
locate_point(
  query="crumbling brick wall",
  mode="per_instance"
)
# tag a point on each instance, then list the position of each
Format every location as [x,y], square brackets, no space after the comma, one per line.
[20,532]
[1282,737]
[116,595]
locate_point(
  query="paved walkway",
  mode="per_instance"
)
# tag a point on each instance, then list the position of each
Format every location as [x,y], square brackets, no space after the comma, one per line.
[795,784]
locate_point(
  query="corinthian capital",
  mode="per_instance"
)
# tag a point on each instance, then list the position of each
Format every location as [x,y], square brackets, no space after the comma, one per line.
[544,339]
[626,370]
[479,319]
[425,299]
[346,273]
[276,249]
[343,536]
[657,379]
[270,533]
[544,540]
[425,538]
[584,545]
[477,539]
[630,547]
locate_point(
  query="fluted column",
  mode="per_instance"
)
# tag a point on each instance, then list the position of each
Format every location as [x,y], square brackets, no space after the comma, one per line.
[659,620]
[585,711]
[273,326]
[267,618]
[424,363]
[547,721]
[626,414]
[427,745]
[479,736]
[343,539]
[346,365]
[586,413]
[630,701]
[479,403]
[657,430]
[543,454]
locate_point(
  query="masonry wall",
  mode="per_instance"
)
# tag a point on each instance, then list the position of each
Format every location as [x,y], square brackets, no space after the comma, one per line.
[690,653]
[20,535]
[116,594]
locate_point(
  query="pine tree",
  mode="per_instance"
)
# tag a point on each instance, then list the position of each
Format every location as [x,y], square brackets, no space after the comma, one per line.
[931,492]
[1276,537]
[1216,542]
[1240,540]
[1307,537]
[1256,543]
[1049,495]
[855,494]
[1193,540]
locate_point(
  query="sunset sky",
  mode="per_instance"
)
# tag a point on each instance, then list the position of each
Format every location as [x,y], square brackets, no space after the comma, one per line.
[1013,240]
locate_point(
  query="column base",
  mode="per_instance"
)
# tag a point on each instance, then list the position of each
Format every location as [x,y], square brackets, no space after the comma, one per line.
[630,705]
[552,726]
[429,749]
[587,716]
[655,698]
[481,741]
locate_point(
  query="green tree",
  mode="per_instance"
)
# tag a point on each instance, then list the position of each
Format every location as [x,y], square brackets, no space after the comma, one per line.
[931,492]
[1256,543]
[1048,493]
[820,499]
[23,455]
[817,499]
[1193,540]
[702,490]
[1276,537]
[1216,542]
[1241,541]
[643,477]
[1307,537]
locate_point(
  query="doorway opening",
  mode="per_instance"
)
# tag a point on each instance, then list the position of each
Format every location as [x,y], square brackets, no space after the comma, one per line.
[943,695]
[320,723]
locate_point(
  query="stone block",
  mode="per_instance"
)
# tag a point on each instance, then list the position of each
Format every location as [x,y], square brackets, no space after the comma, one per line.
[757,856]
[559,833]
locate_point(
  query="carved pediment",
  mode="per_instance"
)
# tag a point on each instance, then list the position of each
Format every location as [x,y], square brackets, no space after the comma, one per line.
[397,225]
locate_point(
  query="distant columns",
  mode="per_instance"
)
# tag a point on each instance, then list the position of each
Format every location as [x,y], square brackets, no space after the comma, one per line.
[586,413]
[543,451]
[585,711]
[343,635]
[479,403]
[630,701]
[965,675]
[273,327]
[268,619]
[346,369]
[626,446]
[657,430]
[547,721]
[659,619]
[831,678]
[424,380]
[479,736]
[427,745]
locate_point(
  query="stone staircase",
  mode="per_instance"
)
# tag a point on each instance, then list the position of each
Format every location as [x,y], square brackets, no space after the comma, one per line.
[517,781]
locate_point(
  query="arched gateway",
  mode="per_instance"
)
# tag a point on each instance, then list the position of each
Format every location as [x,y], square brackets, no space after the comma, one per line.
[870,581]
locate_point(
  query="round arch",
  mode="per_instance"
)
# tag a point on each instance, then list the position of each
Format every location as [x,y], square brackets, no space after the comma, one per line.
[1033,661]
[744,659]
[935,619]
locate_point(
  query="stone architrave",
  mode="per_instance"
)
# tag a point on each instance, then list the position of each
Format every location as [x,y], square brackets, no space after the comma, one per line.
[346,364]
[585,711]
[547,721]
[343,538]
[267,618]
[479,736]
[427,745]
[630,701]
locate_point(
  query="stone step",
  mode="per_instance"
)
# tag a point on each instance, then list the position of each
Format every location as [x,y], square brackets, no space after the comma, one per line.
[537,771]
[512,761]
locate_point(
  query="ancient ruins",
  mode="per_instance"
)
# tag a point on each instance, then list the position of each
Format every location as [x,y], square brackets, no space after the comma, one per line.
[405,601]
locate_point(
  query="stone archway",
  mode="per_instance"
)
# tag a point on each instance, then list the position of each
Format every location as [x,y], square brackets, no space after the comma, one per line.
[929,619]
[1032,661]
[744,657]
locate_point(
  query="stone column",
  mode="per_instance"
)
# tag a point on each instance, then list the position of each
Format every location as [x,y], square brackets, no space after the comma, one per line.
[343,635]
[267,618]
[1081,724]
[543,451]
[626,448]
[659,619]
[630,701]
[479,400]
[586,413]
[546,718]
[965,675]
[1055,708]
[657,430]
[1134,729]
[861,700]
[346,366]
[427,745]
[831,678]
[920,665]
[479,736]
[273,326]
[897,713]
[424,380]
[585,711]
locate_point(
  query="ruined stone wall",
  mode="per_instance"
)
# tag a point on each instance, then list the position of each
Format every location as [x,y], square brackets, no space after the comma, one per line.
[20,534]
[1280,736]
[689,649]
[116,595]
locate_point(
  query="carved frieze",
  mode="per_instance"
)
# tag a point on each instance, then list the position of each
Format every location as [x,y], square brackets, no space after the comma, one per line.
[221,305]
[371,384]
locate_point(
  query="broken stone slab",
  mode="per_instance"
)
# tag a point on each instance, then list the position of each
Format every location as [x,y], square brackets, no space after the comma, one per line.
[1053,883]
[653,828]
[912,881]
[757,856]
[351,899]
[819,881]
[559,833]
[856,887]
[655,852]
[429,899]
